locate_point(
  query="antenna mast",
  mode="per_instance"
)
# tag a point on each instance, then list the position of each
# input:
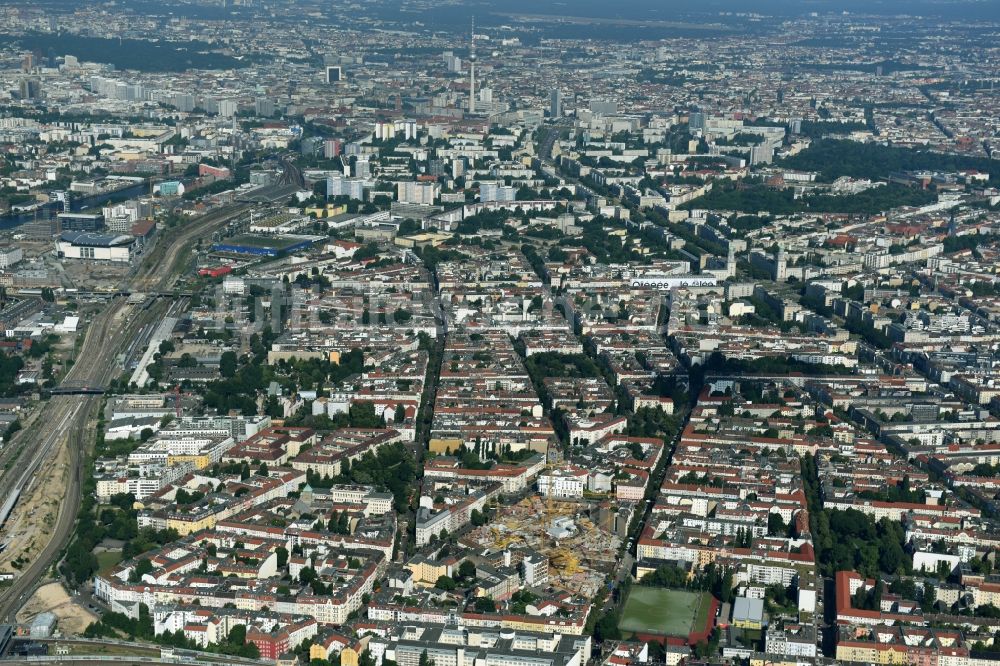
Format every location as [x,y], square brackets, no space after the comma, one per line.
[472,68]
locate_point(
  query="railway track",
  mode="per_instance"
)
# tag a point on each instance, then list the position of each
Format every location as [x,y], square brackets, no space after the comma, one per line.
[65,418]
[167,255]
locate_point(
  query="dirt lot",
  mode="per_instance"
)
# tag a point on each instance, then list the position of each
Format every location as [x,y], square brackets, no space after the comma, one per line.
[72,619]
[36,513]
[89,275]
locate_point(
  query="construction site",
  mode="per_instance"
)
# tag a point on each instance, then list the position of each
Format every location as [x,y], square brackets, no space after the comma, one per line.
[576,537]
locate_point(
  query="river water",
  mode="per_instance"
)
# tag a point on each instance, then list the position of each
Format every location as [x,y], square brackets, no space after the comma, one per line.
[53,208]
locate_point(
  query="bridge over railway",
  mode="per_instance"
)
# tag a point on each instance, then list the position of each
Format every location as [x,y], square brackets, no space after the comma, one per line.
[77,388]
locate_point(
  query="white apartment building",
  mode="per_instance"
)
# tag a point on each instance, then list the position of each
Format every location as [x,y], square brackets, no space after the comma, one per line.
[417,193]
[563,482]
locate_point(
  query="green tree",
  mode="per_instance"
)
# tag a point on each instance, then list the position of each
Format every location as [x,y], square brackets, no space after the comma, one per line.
[485,605]
[141,568]
[726,587]
[343,523]
[607,629]
[776,525]
[665,575]
[227,364]
[467,570]
[238,635]
[446,583]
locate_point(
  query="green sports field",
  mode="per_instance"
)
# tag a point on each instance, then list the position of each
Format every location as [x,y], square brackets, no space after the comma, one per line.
[654,610]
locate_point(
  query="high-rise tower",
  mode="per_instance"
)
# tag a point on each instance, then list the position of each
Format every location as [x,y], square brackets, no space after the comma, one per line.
[472,68]
[555,103]
[780,265]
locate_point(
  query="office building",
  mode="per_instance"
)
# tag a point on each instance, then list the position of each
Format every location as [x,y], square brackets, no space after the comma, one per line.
[339,186]
[363,168]
[555,104]
[81,221]
[10,256]
[169,188]
[227,108]
[603,108]
[331,148]
[264,107]
[492,191]
[417,193]
[30,88]
[182,102]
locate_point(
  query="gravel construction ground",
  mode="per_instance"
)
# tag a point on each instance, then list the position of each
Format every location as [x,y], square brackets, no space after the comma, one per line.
[72,619]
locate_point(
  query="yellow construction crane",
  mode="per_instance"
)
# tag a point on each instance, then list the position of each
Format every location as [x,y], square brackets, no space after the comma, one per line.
[565,561]
[503,539]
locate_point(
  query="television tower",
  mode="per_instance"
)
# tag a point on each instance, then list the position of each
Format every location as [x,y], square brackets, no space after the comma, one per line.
[472,68]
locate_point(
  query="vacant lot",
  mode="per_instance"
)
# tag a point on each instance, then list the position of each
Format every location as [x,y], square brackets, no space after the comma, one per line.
[72,618]
[109,649]
[653,610]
